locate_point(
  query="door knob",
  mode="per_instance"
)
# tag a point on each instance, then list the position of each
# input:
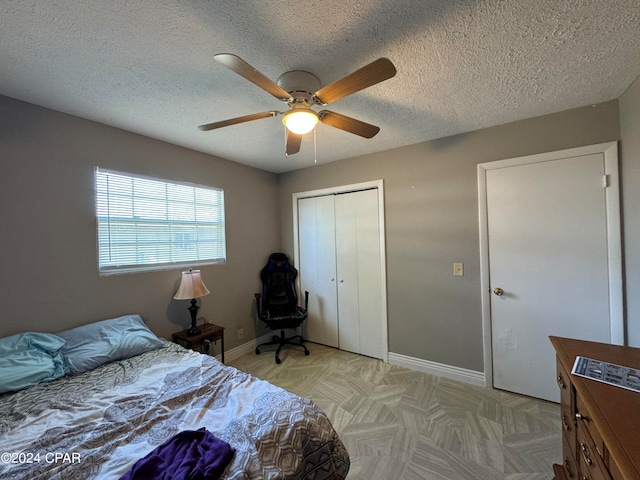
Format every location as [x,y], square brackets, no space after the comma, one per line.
[498,291]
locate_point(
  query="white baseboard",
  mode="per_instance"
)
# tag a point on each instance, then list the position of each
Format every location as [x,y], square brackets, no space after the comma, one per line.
[471,377]
[440,369]
[249,347]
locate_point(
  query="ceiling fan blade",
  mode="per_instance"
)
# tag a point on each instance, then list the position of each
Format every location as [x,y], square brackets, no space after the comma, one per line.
[234,121]
[348,124]
[245,70]
[293,142]
[376,72]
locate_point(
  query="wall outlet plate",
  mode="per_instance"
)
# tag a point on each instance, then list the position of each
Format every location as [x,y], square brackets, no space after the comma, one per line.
[458,269]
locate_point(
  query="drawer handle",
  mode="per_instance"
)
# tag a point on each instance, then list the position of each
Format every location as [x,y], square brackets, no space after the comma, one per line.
[561,382]
[565,424]
[585,453]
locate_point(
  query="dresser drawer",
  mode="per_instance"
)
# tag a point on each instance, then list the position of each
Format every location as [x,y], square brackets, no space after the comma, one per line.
[584,419]
[569,459]
[564,383]
[590,463]
[567,412]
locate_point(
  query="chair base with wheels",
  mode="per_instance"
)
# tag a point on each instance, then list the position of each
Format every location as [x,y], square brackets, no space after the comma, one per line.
[281,341]
[277,306]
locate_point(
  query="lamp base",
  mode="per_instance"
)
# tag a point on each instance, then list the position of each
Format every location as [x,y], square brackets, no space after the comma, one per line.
[193,309]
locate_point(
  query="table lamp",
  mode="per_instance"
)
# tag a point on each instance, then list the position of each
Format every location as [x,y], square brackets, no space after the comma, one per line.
[192,287]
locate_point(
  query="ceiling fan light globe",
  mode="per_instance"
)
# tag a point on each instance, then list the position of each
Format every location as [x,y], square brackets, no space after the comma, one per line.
[300,120]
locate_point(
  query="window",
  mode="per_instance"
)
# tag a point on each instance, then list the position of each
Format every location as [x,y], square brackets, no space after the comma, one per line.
[151,224]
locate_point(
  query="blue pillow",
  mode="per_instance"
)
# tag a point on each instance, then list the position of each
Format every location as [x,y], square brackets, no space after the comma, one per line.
[27,359]
[95,344]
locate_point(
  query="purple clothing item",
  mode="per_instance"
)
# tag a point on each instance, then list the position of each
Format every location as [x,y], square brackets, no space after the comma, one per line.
[189,455]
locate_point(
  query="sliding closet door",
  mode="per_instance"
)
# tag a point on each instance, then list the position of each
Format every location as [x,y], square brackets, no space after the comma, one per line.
[341,262]
[357,231]
[317,243]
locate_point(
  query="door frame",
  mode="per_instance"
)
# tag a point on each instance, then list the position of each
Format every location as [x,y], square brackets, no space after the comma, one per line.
[614,240]
[379,185]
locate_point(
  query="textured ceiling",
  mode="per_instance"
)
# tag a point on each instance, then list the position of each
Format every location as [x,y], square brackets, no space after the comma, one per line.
[147,65]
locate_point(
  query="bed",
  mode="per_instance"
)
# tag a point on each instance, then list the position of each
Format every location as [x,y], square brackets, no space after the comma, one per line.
[96,424]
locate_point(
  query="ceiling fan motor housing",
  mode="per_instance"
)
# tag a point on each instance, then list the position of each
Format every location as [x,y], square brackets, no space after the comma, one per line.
[301,85]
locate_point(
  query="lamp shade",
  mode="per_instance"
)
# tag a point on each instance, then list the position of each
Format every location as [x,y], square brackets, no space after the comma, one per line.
[191,286]
[300,120]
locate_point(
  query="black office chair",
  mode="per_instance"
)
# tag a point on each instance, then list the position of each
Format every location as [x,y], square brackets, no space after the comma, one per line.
[279,307]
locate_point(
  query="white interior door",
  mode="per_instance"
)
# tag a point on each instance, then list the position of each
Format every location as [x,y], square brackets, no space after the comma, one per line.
[370,284]
[549,269]
[317,255]
[347,273]
[339,234]
[359,273]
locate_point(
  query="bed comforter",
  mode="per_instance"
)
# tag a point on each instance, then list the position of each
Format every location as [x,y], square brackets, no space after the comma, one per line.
[98,424]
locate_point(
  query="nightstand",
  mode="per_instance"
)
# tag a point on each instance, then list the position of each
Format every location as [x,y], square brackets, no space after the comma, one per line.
[208,333]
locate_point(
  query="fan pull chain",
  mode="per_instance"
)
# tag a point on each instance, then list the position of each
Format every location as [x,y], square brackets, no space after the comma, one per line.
[286,155]
[315,148]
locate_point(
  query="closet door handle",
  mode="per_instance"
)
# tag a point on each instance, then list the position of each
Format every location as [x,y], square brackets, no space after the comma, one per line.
[341,281]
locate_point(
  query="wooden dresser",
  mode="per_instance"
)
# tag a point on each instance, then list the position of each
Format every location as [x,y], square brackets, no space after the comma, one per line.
[600,422]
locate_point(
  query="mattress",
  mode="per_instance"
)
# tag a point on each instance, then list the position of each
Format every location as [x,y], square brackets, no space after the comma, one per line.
[96,425]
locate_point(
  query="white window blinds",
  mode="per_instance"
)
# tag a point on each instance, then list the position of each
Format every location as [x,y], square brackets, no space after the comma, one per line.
[149,224]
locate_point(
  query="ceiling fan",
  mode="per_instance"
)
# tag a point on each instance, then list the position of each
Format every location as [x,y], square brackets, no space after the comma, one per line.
[300,91]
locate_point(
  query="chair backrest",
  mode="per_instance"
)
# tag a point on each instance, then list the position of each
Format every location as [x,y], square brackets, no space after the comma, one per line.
[279,295]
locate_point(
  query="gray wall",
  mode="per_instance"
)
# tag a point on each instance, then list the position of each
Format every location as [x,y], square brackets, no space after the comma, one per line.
[48,228]
[47,224]
[431,209]
[630,154]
